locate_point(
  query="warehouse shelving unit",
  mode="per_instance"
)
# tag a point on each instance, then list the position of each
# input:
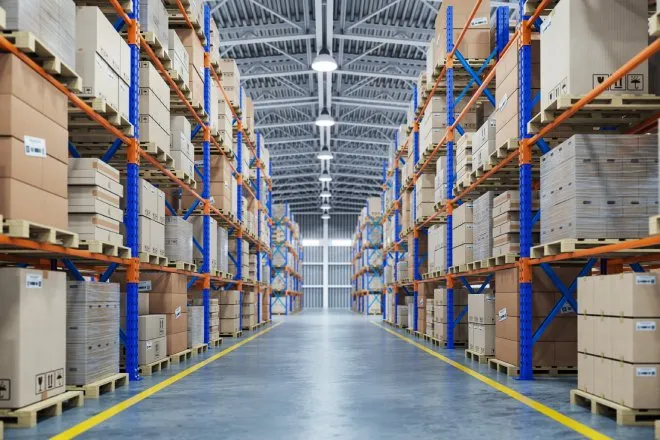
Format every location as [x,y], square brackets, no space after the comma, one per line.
[52,256]
[290,299]
[365,248]
[530,13]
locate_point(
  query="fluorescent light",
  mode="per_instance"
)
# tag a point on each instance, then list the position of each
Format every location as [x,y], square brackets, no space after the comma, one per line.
[325,153]
[325,206]
[324,119]
[340,242]
[324,62]
[310,242]
[325,216]
[325,176]
[326,193]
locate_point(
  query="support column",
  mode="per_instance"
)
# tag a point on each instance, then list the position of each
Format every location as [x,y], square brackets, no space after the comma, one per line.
[326,266]
[450,174]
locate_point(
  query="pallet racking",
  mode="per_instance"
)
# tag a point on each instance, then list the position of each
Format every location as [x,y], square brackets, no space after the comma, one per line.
[367,245]
[613,256]
[49,255]
[289,273]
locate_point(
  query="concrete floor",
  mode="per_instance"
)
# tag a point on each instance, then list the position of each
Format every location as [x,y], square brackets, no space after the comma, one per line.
[332,375]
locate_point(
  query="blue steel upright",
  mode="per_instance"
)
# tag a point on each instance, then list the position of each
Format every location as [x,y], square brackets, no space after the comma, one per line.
[239,205]
[413,208]
[450,172]
[206,191]
[397,226]
[270,258]
[383,302]
[525,114]
[132,200]
[258,197]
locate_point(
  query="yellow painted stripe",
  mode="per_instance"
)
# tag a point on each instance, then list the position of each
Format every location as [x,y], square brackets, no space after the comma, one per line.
[122,406]
[546,411]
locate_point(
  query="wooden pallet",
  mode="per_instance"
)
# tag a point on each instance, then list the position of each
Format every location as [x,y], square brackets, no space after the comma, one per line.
[575,244]
[182,265]
[38,52]
[79,120]
[28,416]
[513,370]
[215,342]
[199,349]
[622,112]
[181,84]
[459,269]
[41,233]
[250,327]
[156,45]
[237,334]
[105,248]
[107,385]
[154,367]
[178,107]
[501,260]
[181,356]
[159,153]
[622,414]
[654,225]
[158,260]
[159,178]
[443,343]
[477,357]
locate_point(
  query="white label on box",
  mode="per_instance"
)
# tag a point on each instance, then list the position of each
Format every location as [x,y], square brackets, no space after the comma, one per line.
[645,371]
[645,326]
[177,312]
[144,286]
[34,146]
[33,281]
[502,314]
[644,279]
[148,345]
[479,21]
[503,102]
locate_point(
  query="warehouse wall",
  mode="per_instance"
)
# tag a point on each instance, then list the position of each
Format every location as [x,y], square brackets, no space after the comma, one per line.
[330,254]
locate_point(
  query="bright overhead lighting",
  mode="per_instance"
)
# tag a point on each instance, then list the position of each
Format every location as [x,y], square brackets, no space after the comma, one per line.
[325,153]
[326,193]
[324,119]
[324,62]
[325,216]
[325,206]
[325,176]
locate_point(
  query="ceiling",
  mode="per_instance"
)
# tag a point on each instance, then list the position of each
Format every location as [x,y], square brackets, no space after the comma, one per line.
[380,47]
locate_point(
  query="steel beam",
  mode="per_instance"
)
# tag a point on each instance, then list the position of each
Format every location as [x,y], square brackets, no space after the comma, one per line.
[350,176]
[347,123]
[343,72]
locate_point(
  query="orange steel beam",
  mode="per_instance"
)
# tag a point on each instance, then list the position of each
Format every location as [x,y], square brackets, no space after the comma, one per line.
[120,11]
[185,16]
[486,175]
[646,125]
[537,13]
[56,249]
[624,245]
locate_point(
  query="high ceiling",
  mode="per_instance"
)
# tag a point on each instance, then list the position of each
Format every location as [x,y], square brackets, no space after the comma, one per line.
[380,47]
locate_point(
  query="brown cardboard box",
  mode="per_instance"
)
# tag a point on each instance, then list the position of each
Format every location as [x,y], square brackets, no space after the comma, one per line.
[176,323]
[634,295]
[586,372]
[230,297]
[152,350]
[167,303]
[33,315]
[507,280]
[18,201]
[560,329]
[634,340]
[462,214]
[507,303]
[165,282]
[143,304]
[177,342]
[461,10]
[508,351]
[603,377]
[229,325]
[481,308]
[151,327]
[483,338]
[464,234]
[587,334]
[602,337]
[230,311]
[566,353]
[249,297]
[636,385]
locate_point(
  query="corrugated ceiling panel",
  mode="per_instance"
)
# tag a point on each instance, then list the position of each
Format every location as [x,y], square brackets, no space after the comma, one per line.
[313,254]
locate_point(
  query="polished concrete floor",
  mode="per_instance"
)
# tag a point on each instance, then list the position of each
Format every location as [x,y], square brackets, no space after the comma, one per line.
[332,375]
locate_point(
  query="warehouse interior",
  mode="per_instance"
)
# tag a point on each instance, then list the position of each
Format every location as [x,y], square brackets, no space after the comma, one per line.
[329,218]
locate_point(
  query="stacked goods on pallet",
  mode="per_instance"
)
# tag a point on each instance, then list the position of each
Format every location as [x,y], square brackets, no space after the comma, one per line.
[481,323]
[599,186]
[463,235]
[181,146]
[434,124]
[154,109]
[198,235]
[231,81]
[404,214]
[152,339]
[179,57]
[102,60]
[195,51]
[440,183]
[33,138]
[223,185]
[619,350]
[614,32]
[223,250]
[230,311]
[245,268]
[557,346]
[195,326]
[154,19]
[249,310]
[225,118]
[178,239]
[506,93]
[151,220]
[425,196]
[402,267]
[430,307]
[483,226]
[483,144]
[402,316]
[94,201]
[464,159]
[92,331]
[33,335]
[422,264]
[214,319]
[51,22]
[476,42]
[437,249]
[440,315]
[168,296]
[265,307]
[506,223]
[214,43]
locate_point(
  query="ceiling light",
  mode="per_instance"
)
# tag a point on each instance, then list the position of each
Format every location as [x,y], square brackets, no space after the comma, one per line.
[324,119]
[325,216]
[325,176]
[326,193]
[325,153]
[324,62]
[325,206]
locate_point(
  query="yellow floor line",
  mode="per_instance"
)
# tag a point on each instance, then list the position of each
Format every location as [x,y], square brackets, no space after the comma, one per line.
[122,406]
[546,411]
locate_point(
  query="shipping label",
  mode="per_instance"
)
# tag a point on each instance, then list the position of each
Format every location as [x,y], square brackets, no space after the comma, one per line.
[645,326]
[34,146]
[645,279]
[34,281]
[645,372]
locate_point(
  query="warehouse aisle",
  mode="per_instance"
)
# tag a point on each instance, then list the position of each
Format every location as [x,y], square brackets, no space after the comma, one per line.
[333,375]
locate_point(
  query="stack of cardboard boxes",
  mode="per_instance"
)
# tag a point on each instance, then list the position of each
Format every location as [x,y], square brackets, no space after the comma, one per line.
[214,318]
[154,19]
[440,183]
[154,108]
[506,223]
[179,57]
[481,323]
[182,148]
[152,339]
[483,144]
[434,124]
[223,185]
[245,262]
[249,310]
[94,201]
[231,81]
[230,311]
[33,139]
[422,264]
[483,227]
[437,249]
[425,196]
[33,342]
[557,346]
[430,320]
[103,59]
[223,251]
[168,296]
[463,233]
[178,239]
[619,350]
[195,51]
[440,323]
[92,331]
[151,219]
[198,234]
[195,325]
[464,158]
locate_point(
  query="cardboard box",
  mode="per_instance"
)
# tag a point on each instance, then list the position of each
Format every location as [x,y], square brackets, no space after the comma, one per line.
[143,305]
[100,180]
[634,340]
[100,221]
[229,325]
[157,238]
[586,372]
[94,33]
[636,385]
[18,201]
[165,282]
[230,311]
[152,350]
[481,308]
[85,195]
[99,78]
[151,327]
[508,351]
[176,323]
[463,234]
[508,280]
[603,377]
[168,303]
[483,339]
[228,297]
[33,315]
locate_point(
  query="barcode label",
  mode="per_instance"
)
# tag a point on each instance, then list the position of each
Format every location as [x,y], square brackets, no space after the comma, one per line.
[645,326]
[503,102]
[644,279]
[177,312]
[645,371]
[502,314]
[34,281]
[144,286]
[148,345]
[479,21]
[34,146]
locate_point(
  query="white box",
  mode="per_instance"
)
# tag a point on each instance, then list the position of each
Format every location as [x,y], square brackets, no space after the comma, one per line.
[96,34]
